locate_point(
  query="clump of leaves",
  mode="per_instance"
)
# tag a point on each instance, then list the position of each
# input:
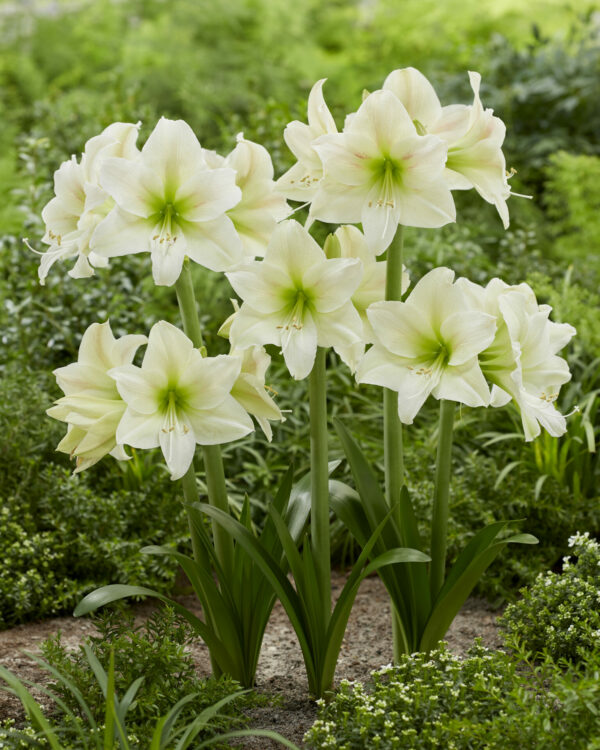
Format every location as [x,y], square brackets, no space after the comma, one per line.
[560,613]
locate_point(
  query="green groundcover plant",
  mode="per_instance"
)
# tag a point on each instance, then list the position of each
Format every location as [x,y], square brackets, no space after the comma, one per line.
[559,614]
[486,700]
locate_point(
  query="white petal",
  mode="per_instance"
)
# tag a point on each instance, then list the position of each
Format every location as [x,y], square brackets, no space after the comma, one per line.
[173,152]
[429,208]
[167,262]
[299,347]
[300,183]
[139,430]
[208,380]
[122,233]
[168,351]
[383,118]
[133,186]
[178,446]
[341,327]
[139,388]
[379,367]
[299,138]
[226,422]
[293,250]
[262,285]
[331,283]
[338,203]
[467,334]
[207,194]
[342,160]
[402,328]
[416,94]
[465,384]
[251,327]
[213,244]
[319,116]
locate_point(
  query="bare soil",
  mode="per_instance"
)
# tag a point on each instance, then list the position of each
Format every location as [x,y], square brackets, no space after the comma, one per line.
[367,645]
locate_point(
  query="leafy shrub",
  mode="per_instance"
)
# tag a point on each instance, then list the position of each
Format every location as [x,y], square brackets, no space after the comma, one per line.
[560,613]
[572,196]
[486,700]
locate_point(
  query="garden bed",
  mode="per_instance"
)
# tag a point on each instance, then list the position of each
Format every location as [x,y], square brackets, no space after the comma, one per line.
[367,645]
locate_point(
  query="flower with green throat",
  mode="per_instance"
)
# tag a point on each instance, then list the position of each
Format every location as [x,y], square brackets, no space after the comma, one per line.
[171,204]
[381,172]
[296,298]
[429,345]
[178,399]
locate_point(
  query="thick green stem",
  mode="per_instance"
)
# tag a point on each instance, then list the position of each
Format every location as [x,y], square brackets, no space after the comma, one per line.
[319,513]
[392,427]
[439,520]
[213,463]
[184,288]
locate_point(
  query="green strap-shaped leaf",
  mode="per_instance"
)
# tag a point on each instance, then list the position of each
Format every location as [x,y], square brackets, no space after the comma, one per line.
[367,485]
[453,597]
[32,708]
[418,576]
[272,571]
[218,600]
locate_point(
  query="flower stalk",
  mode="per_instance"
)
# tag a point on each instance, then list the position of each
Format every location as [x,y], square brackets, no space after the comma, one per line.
[319,519]
[213,462]
[392,427]
[439,520]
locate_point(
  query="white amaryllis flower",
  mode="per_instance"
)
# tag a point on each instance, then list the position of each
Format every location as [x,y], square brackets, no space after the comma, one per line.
[296,298]
[177,398]
[301,181]
[429,345]
[92,406]
[80,203]
[381,172]
[250,390]
[349,242]
[171,204]
[261,205]
[473,134]
[522,362]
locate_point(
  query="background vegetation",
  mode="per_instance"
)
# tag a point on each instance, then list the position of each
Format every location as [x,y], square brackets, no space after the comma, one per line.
[69,69]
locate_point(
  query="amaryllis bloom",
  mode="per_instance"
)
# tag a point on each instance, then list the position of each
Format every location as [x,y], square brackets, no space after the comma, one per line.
[92,406]
[171,204]
[300,183]
[429,345]
[80,203]
[250,390]
[349,242]
[522,362]
[473,134]
[381,172]
[261,205]
[178,398]
[297,299]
